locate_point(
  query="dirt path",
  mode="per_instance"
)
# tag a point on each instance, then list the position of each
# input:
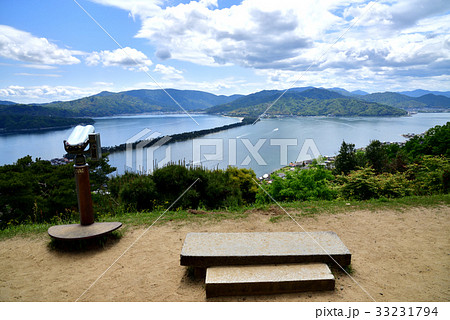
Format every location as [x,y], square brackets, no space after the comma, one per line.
[397,256]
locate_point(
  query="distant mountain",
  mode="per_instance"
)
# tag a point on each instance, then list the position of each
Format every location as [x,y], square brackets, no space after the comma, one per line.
[300,89]
[298,101]
[188,99]
[311,102]
[434,100]
[34,110]
[245,101]
[428,102]
[347,93]
[359,92]
[18,118]
[266,96]
[108,105]
[141,101]
[391,99]
[341,91]
[101,94]
[419,92]
[7,103]
[234,97]
[320,94]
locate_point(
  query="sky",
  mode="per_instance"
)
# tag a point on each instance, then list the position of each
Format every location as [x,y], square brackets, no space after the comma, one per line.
[67,49]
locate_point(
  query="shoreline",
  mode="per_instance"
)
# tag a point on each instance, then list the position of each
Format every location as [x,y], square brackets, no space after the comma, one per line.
[34,130]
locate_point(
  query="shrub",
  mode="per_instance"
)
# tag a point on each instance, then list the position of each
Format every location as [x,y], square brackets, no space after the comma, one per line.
[115,183]
[393,185]
[243,182]
[214,189]
[139,193]
[172,180]
[307,184]
[429,175]
[360,185]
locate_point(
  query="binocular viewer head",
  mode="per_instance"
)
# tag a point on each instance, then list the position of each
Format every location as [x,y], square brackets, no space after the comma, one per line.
[80,138]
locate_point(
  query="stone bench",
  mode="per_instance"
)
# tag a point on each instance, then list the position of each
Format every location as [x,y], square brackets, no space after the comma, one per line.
[268,279]
[204,250]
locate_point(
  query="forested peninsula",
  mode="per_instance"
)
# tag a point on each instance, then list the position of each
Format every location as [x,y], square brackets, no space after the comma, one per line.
[180,136]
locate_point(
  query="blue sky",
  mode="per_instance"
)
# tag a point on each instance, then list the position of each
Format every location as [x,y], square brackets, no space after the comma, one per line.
[52,50]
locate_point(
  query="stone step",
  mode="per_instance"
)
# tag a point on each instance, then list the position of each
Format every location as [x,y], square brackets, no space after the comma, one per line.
[268,279]
[222,249]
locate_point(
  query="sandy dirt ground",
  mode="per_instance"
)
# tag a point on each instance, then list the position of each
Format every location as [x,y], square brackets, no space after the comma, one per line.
[396,256]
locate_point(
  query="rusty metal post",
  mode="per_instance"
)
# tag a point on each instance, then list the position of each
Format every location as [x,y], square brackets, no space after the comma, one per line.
[83,191]
[76,144]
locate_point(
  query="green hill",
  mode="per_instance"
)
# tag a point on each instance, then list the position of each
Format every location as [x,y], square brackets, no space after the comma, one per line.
[322,94]
[16,118]
[7,103]
[433,100]
[304,101]
[66,113]
[420,92]
[428,102]
[34,110]
[188,99]
[107,105]
[140,101]
[312,102]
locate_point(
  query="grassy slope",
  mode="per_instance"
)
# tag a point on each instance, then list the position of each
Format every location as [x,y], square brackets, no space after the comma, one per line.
[144,219]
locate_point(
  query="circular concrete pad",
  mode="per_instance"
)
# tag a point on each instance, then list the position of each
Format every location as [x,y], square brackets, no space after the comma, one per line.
[78,231]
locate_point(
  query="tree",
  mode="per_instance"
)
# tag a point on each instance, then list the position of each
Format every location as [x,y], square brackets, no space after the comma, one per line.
[377,156]
[435,141]
[37,191]
[346,159]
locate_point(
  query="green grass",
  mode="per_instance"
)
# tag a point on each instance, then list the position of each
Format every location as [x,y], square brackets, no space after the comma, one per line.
[349,269]
[24,230]
[336,206]
[275,219]
[303,208]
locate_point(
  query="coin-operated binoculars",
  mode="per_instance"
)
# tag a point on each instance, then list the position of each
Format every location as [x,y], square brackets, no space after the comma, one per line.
[80,138]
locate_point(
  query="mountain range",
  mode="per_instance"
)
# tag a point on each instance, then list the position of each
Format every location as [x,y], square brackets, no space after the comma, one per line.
[428,102]
[140,101]
[303,101]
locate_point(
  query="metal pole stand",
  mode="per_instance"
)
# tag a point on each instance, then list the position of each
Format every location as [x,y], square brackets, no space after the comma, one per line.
[83,191]
[87,228]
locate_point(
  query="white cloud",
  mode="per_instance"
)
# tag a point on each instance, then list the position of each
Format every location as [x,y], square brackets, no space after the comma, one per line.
[103,84]
[229,85]
[410,35]
[367,79]
[397,44]
[53,75]
[23,46]
[140,8]
[127,57]
[169,72]
[38,66]
[44,93]
[250,34]
[396,14]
